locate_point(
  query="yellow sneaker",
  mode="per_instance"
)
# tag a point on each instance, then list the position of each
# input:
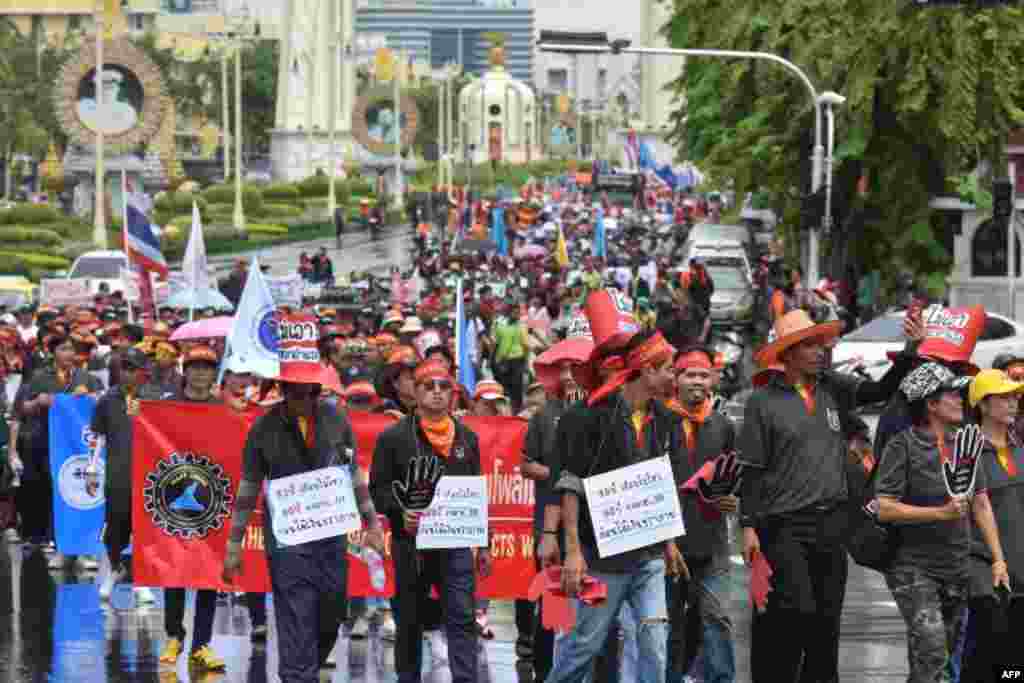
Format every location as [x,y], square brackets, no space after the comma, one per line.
[172,649]
[205,658]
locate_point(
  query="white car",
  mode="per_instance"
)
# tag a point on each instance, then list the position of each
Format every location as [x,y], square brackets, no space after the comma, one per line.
[101,267]
[871,342]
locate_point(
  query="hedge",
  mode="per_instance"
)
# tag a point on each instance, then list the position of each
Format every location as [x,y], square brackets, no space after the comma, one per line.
[69,227]
[280,211]
[27,260]
[281,192]
[252,197]
[21,234]
[266,229]
[30,214]
[179,202]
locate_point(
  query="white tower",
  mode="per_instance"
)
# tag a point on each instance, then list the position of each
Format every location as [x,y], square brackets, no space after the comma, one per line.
[315,80]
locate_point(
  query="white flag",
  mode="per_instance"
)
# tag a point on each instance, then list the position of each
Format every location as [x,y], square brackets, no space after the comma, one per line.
[194,266]
[252,343]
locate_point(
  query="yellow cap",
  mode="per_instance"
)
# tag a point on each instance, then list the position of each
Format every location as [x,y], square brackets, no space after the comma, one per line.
[992,382]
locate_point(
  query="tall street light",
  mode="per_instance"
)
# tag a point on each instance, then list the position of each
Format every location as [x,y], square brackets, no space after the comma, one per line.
[99,228]
[241,30]
[225,116]
[598,43]
[332,107]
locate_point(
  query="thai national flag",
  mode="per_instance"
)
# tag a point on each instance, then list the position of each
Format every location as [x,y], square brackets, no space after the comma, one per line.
[140,242]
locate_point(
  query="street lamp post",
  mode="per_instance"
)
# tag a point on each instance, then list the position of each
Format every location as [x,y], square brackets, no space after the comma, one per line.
[225,117]
[332,107]
[241,31]
[598,43]
[99,228]
[239,217]
[399,200]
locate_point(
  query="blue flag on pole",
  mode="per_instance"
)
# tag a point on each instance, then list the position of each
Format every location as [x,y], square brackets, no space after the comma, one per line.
[78,515]
[600,240]
[466,371]
[498,230]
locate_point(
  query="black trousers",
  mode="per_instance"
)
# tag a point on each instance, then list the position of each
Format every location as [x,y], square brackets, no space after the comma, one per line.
[685,632]
[310,603]
[802,617]
[34,500]
[511,377]
[174,616]
[117,528]
[452,572]
[257,604]
[525,618]
[996,628]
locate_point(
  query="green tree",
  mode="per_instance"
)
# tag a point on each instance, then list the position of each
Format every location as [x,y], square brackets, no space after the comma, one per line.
[28,121]
[930,93]
[196,86]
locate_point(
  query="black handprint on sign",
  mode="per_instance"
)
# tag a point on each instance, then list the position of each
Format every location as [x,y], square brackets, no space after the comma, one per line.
[416,491]
[961,471]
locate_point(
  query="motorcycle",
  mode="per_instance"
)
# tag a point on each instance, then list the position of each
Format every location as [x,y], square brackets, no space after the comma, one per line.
[730,344]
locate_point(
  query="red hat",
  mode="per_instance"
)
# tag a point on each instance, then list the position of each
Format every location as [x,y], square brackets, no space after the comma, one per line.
[655,349]
[951,335]
[431,369]
[575,348]
[694,358]
[297,349]
[362,388]
[612,323]
[489,390]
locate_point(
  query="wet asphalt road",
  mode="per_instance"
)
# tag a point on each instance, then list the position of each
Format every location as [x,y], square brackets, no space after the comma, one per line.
[54,628]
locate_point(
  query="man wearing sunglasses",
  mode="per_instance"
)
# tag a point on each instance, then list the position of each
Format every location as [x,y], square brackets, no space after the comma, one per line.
[431,433]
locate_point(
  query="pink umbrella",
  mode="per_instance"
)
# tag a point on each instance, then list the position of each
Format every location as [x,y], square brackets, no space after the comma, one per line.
[531,251]
[208,328]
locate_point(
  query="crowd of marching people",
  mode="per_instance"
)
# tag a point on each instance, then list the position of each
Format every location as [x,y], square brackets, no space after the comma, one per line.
[608,364]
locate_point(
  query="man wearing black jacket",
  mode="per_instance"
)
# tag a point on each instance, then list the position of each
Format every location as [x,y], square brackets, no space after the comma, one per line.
[697,609]
[432,433]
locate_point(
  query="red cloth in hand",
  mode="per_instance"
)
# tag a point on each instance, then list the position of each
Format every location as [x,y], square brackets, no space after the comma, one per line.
[707,473]
[557,612]
[760,581]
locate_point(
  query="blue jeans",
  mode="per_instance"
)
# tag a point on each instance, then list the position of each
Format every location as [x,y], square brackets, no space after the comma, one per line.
[630,650]
[644,590]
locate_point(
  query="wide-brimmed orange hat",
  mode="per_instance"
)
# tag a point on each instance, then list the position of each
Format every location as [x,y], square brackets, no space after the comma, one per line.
[791,329]
[575,348]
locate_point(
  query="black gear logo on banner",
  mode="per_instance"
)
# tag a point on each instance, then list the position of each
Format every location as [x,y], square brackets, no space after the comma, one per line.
[187,495]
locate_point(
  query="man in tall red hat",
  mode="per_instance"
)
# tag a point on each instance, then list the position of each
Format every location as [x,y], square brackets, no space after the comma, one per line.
[620,424]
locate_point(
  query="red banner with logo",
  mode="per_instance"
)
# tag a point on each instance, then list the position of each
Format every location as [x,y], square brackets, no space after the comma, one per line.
[186,466]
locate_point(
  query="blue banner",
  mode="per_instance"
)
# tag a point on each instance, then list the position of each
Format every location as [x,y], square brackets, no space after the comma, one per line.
[77,514]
